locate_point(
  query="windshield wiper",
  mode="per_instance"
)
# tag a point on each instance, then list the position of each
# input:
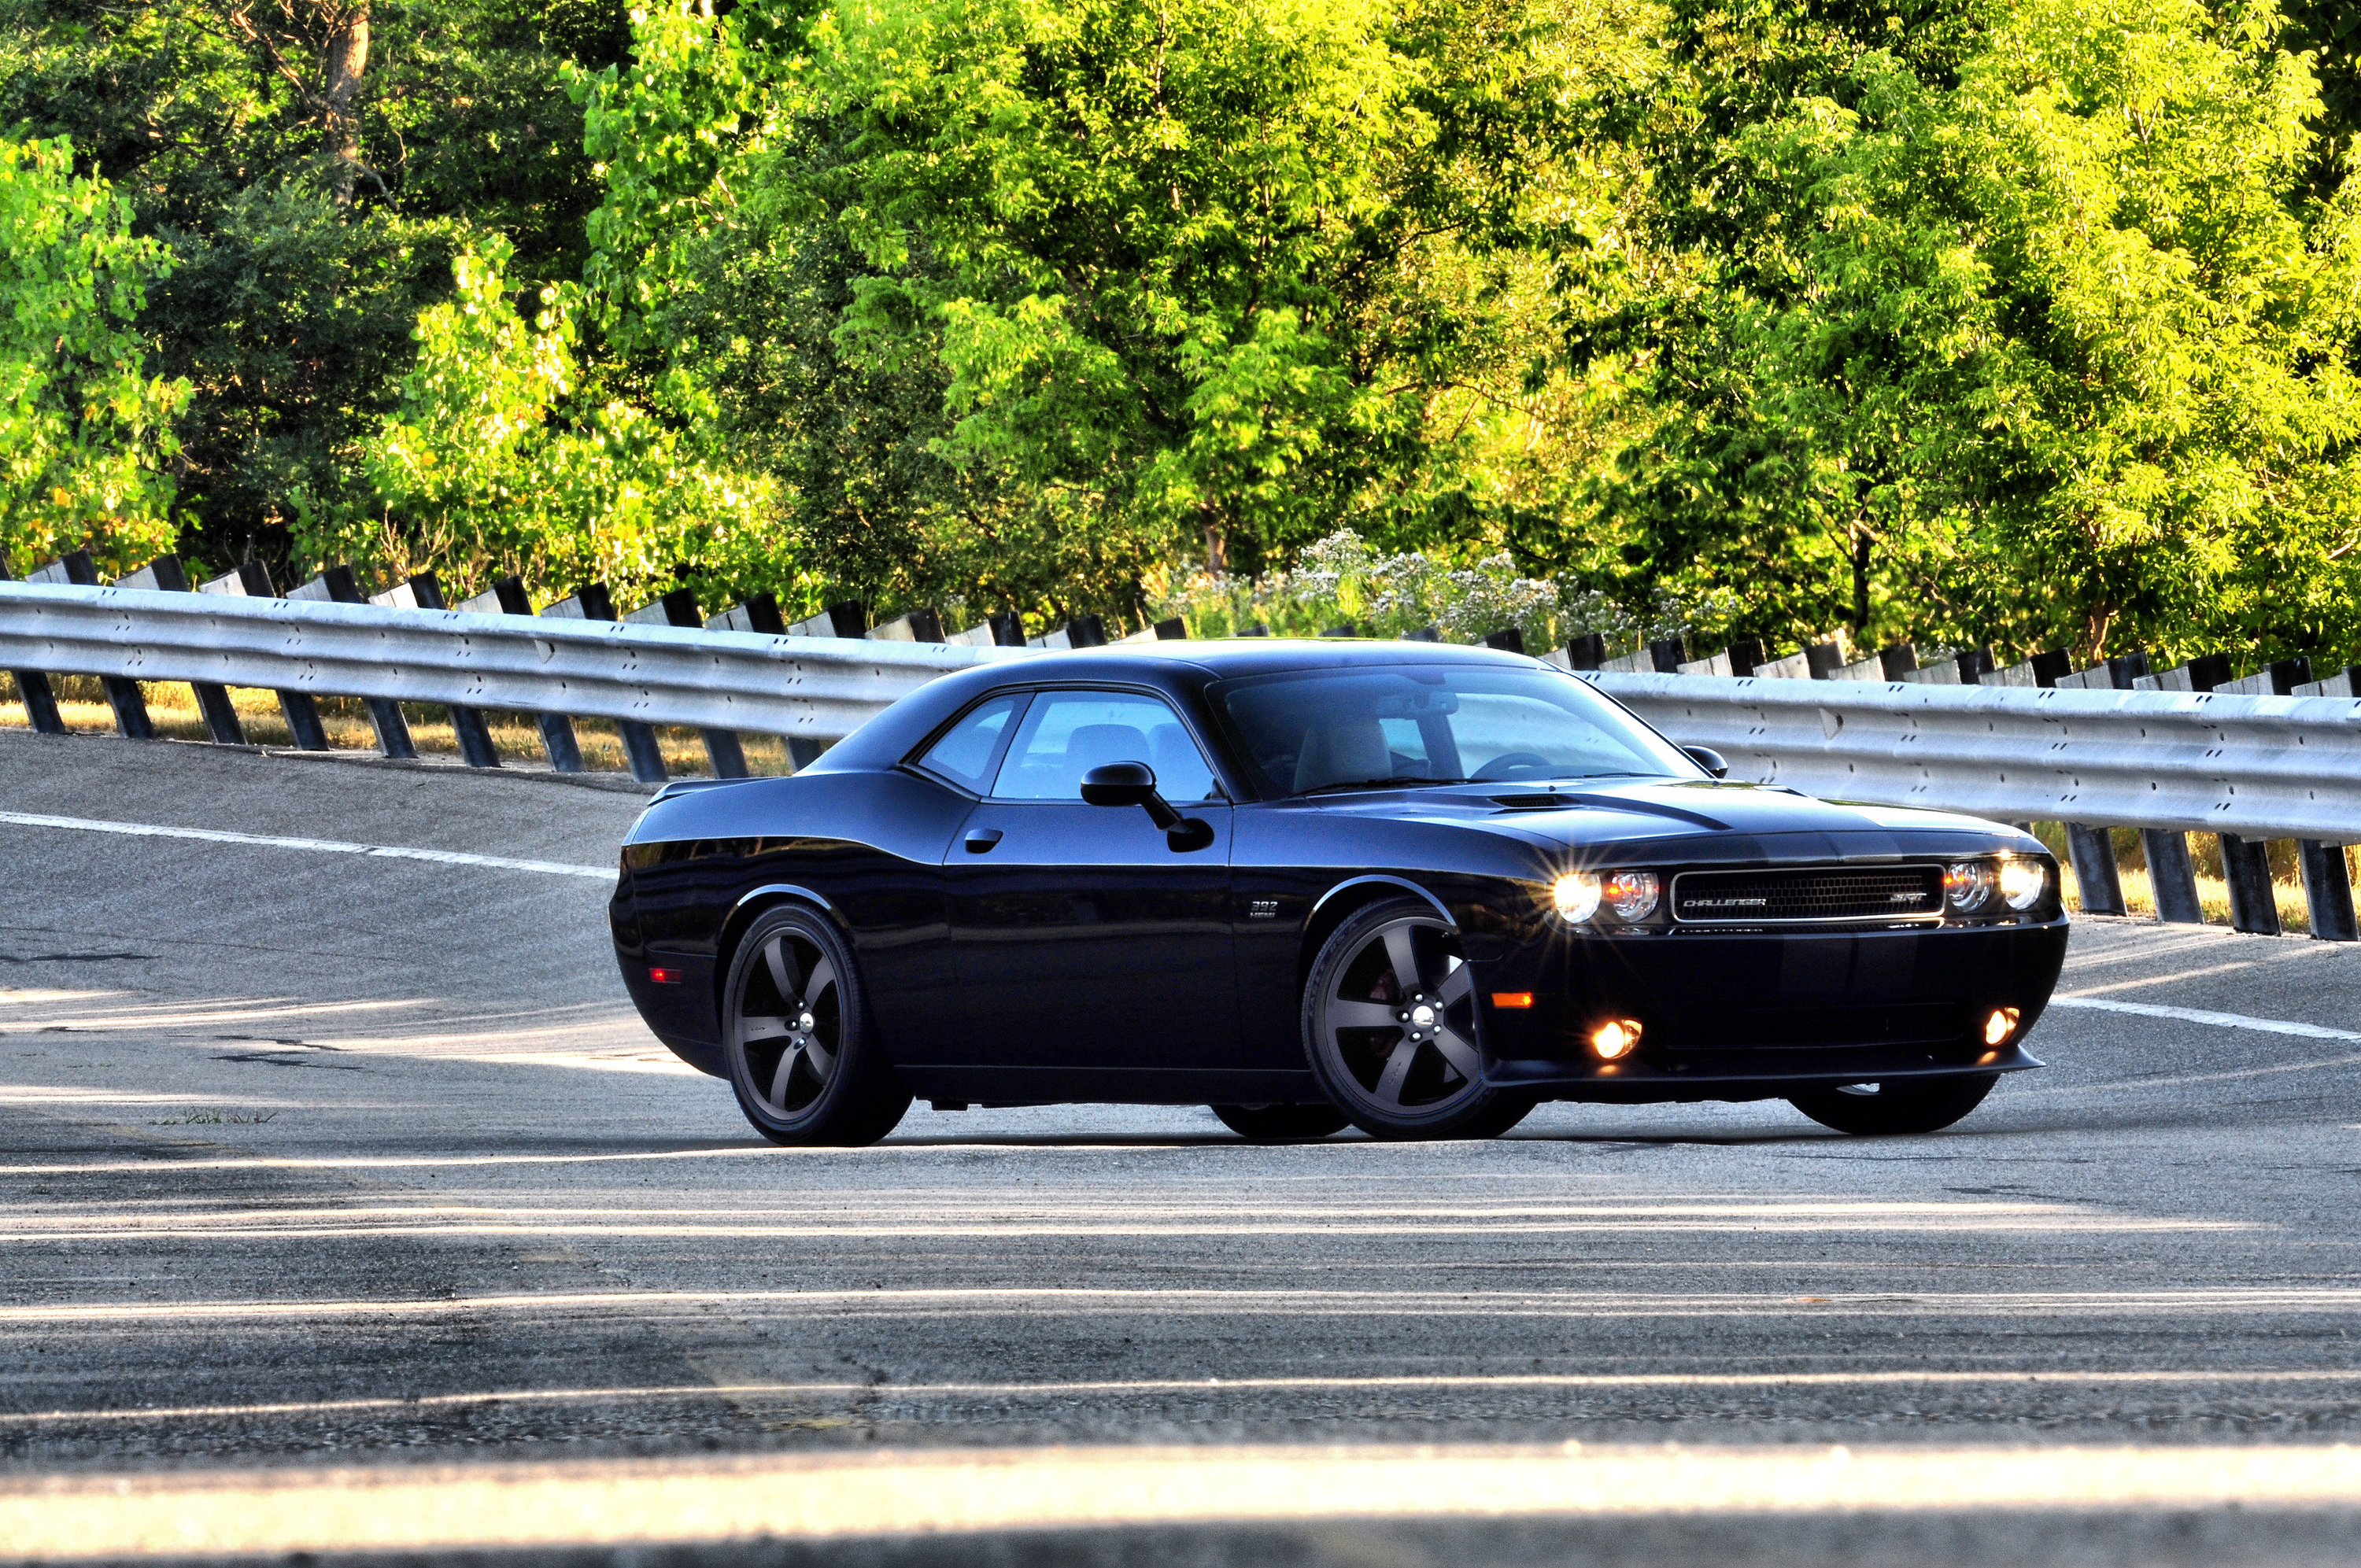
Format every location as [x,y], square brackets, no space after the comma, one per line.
[1378,783]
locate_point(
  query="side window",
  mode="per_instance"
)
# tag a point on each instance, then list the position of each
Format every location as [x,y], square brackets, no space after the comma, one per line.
[1066,734]
[967,751]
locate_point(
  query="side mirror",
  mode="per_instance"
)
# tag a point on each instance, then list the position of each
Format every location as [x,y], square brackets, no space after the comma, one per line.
[1134,783]
[1709,759]
[1129,784]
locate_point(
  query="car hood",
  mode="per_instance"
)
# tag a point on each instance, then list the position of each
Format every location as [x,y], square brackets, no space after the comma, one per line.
[1699,818]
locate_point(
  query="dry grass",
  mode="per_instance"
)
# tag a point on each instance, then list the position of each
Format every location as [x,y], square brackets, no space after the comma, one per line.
[2212,894]
[173,708]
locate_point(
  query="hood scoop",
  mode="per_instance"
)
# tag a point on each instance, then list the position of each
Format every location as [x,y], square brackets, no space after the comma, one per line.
[1538,802]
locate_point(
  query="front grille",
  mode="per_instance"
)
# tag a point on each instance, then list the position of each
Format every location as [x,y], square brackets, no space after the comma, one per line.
[1820,893]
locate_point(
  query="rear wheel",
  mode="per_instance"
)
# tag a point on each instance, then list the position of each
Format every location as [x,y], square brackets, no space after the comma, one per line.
[802,1056]
[1281,1124]
[1901,1106]
[1390,1028]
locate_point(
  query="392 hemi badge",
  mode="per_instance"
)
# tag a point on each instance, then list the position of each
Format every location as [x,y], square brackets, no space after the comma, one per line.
[1262,909]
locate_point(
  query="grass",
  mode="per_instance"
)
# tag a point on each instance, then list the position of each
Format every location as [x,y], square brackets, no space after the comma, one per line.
[81,704]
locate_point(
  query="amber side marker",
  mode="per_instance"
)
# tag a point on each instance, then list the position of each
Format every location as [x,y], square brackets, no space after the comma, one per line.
[1513,999]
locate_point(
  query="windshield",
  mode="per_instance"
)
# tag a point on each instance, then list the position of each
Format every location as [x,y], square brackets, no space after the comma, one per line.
[1366,728]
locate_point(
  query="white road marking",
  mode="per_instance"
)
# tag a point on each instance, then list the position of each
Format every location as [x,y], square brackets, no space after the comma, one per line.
[1066,1301]
[2199,1015]
[322,846]
[805,1497]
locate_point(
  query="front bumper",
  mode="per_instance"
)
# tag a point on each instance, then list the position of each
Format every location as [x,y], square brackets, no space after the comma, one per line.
[1753,1015]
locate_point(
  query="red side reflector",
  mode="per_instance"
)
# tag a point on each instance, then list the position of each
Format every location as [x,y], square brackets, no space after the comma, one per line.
[1513,999]
[664,976]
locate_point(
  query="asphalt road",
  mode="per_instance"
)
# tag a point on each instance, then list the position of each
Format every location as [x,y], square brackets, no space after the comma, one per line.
[315,1158]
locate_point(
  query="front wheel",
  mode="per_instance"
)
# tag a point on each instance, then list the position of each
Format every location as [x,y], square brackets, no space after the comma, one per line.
[1888,1110]
[802,1056]
[1390,1028]
[1281,1124]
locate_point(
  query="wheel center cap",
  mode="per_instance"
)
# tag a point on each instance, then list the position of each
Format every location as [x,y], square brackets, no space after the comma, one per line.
[805,1022]
[1421,1016]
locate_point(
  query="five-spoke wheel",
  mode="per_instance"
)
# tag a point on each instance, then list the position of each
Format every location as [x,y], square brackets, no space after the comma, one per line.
[800,1057]
[1390,1028]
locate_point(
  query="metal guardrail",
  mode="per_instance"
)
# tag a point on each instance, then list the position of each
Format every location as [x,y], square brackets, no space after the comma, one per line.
[815,688]
[2262,767]
[2248,768]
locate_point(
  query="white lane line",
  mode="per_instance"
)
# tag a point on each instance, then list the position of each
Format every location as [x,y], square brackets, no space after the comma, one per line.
[1108,1301]
[869,1394]
[322,846]
[771,1498]
[2199,1015]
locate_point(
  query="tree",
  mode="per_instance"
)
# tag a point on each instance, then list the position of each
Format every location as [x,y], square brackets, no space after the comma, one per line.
[84,430]
[498,460]
[2039,336]
[1094,283]
[315,164]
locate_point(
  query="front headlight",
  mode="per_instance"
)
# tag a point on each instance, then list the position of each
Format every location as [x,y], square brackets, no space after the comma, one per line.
[1967,885]
[1576,895]
[2022,882]
[1631,894]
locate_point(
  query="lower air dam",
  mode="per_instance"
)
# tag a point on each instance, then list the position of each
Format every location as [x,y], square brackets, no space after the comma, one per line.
[816,1498]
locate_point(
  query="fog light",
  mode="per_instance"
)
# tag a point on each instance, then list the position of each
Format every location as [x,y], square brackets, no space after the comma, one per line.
[2000,1026]
[1614,1038]
[2022,882]
[1576,894]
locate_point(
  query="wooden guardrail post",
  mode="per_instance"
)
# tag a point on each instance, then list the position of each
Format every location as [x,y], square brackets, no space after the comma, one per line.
[75,569]
[335,586]
[165,574]
[250,580]
[506,596]
[424,590]
[678,607]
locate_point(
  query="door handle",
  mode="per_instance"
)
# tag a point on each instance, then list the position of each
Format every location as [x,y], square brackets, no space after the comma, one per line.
[980,841]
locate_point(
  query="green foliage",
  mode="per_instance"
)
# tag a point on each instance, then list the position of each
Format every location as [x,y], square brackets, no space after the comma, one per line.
[2041,341]
[84,431]
[303,271]
[498,461]
[1067,289]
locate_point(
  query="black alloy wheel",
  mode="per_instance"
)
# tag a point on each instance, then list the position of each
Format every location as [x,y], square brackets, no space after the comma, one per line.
[802,1056]
[1902,1106]
[1281,1124]
[1390,1028]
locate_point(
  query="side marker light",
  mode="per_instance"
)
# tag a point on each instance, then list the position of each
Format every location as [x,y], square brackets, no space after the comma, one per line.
[1614,1038]
[1513,999]
[662,976]
[2000,1026]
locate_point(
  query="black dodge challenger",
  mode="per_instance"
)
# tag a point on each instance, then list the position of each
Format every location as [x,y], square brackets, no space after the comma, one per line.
[1413,887]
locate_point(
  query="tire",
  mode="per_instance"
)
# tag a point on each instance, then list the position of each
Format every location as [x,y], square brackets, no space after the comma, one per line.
[1889,1110]
[1281,1124]
[1390,1028]
[795,1035]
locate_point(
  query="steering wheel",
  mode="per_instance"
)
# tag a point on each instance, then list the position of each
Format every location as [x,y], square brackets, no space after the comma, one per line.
[1500,766]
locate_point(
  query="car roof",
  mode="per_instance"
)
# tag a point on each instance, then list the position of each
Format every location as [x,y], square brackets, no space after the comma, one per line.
[1175,665]
[1229,656]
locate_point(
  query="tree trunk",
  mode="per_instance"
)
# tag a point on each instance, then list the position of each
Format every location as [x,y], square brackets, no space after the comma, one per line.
[346,60]
[1217,548]
[1860,546]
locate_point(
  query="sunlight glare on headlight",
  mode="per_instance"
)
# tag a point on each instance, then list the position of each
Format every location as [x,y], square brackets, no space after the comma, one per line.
[1576,894]
[2021,882]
